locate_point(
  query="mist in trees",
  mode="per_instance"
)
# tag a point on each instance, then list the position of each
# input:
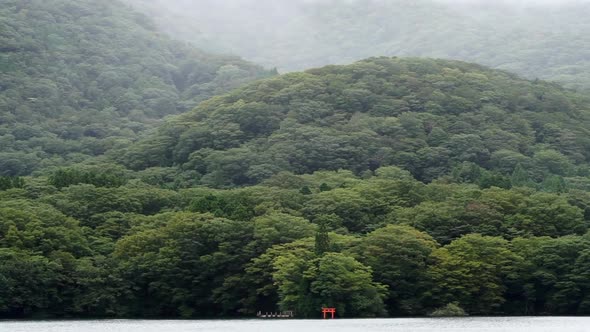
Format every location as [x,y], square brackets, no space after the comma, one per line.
[526,37]
[80,77]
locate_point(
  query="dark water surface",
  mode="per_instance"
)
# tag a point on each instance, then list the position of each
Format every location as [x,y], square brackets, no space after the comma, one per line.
[480,324]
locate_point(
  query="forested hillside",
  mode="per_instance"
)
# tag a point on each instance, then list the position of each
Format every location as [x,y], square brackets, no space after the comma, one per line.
[390,187]
[433,118]
[79,77]
[380,245]
[537,39]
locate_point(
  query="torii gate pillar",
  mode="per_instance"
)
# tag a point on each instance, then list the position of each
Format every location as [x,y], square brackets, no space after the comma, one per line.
[328,311]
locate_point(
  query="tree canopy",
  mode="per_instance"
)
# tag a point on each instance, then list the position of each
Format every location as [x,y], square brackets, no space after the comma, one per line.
[389,187]
[384,244]
[433,118]
[81,77]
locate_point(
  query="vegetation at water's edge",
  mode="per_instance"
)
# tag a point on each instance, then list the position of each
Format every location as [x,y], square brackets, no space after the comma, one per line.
[384,244]
[449,310]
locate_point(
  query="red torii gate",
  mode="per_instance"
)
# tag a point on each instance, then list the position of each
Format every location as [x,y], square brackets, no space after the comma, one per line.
[329,311]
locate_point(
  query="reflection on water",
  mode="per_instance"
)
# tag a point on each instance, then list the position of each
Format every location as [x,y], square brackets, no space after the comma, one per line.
[484,324]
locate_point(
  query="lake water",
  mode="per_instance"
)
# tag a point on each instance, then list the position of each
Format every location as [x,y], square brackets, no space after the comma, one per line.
[483,324]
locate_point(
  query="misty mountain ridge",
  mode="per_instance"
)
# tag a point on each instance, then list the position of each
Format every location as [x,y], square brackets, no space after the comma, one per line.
[79,77]
[525,37]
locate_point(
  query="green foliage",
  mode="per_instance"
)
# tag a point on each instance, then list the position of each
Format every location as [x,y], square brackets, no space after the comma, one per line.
[99,177]
[233,205]
[334,280]
[192,249]
[431,118]
[426,183]
[520,177]
[472,271]
[397,187]
[40,228]
[372,248]
[552,276]
[399,256]
[449,310]
[82,77]
[280,228]
[9,182]
[322,240]
[29,282]
[494,212]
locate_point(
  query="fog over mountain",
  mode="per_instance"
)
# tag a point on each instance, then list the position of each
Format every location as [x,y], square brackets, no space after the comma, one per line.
[516,3]
[523,36]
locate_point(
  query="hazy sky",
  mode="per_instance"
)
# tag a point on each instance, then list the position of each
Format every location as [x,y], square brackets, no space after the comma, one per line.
[296,34]
[517,2]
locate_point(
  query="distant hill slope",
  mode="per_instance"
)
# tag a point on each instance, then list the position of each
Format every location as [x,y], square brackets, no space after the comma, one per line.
[78,77]
[536,41]
[432,117]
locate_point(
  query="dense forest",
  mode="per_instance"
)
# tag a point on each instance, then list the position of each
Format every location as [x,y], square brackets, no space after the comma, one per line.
[430,117]
[537,39]
[384,244]
[390,187]
[79,77]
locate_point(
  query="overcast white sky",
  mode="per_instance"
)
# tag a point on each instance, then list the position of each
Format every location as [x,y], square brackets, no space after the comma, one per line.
[518,2]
